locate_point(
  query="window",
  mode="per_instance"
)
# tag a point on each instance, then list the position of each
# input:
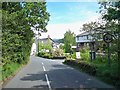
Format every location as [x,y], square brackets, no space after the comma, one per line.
[87,36]
[77,38]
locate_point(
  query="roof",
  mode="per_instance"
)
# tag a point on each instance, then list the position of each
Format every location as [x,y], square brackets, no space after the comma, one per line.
[46,39]
[83,34]
[88,33]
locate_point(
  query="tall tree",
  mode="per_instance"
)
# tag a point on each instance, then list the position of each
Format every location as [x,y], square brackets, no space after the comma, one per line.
[69,39]
[17,20]
[111,14]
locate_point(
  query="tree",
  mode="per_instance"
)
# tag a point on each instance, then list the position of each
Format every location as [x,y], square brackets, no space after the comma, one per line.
[111,14]
[69,39]
[94,30]
[17,20]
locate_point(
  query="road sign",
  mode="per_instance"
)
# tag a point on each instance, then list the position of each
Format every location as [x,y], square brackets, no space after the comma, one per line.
[108,38]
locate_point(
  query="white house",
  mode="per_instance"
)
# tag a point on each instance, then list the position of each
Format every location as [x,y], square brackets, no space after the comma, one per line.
[33,49]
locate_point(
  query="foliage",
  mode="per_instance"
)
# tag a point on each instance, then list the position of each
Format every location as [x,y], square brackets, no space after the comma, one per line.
[45,55]
[69,39]
[86,67]
[74,55]
[43,46]
[84,53]
[110,12]
[68,56]
[9,69]
[57,52]
[17,36]
[61,46]
[98,68]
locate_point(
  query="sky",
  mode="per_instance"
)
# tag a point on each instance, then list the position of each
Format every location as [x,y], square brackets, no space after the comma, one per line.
[69,16]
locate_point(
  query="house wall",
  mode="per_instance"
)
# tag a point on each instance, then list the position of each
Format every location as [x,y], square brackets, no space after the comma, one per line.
[85,38]
[47,41]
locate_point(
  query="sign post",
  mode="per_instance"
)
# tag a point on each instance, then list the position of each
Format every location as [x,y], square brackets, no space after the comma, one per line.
[108,38]
[108,44]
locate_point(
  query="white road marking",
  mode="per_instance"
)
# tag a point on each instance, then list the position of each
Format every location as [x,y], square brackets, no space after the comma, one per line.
[46,76]
[44,68]
[48,82]
[42,63]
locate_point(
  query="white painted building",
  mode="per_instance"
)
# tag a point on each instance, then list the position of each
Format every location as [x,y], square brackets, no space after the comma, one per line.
[33,49]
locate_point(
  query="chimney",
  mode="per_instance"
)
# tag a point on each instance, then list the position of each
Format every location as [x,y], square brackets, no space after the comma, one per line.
[48,36]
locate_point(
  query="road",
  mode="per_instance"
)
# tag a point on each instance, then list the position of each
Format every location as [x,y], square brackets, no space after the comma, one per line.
[49,74]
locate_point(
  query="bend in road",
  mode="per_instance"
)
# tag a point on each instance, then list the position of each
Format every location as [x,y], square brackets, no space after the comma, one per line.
[48,74]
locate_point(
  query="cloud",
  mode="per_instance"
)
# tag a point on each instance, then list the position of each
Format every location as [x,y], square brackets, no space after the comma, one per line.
[58,30]
[73,17]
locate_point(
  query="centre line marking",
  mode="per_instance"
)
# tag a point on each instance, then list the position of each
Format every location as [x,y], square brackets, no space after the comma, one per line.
[48,82]
[42,63]
[44,68]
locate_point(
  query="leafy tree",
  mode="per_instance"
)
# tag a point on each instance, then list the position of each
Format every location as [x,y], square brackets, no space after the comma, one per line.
[111,14]
[93,28]
[17,36]
[69,39]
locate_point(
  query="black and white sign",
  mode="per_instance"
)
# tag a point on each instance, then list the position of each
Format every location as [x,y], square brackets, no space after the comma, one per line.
[108,38]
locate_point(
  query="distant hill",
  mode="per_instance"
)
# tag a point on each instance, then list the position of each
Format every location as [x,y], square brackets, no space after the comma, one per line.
[58,40]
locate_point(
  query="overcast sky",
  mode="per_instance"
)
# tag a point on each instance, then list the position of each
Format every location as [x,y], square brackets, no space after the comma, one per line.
[69,15]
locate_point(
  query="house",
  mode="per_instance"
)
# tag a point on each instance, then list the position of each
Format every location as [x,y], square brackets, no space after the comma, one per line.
[33,49]
[88,39]
[47,41]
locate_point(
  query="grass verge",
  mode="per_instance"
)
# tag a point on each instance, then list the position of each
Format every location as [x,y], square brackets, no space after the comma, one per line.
[101,70]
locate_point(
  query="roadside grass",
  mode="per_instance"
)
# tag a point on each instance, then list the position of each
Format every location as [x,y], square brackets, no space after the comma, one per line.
[103,72]
[108,74]
[9,70]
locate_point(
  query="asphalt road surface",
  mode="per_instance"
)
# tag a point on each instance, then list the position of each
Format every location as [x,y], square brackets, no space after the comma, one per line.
[50,74]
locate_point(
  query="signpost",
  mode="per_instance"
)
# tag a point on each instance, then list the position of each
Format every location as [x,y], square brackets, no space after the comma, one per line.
[108,38]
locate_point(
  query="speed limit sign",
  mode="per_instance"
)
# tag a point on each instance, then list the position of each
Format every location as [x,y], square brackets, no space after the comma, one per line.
[108,38]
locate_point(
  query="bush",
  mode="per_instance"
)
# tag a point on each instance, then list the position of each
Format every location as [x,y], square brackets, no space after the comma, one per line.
[84,53]
[57,53]
[45,55]
[88,68]
[41,53]
[74,55]
[62,57]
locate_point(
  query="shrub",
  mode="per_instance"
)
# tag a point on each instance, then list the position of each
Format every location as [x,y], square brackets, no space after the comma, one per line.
[88,68]
[45,55]
[41,53]
[74,55]
[57,52]
[84,53]
[68,56]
